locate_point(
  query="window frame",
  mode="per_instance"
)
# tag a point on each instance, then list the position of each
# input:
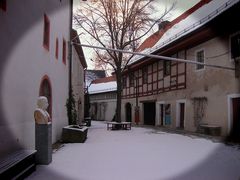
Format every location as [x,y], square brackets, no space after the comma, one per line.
[145,75]
[131,79]
[56,48]
[124,82]
[196,59]
[230,45]
[64,51]
[165,72]
[46,32]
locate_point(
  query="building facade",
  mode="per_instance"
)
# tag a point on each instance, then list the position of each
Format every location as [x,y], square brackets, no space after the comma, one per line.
[34,62]
[103,98]
[189,96]
[79,66]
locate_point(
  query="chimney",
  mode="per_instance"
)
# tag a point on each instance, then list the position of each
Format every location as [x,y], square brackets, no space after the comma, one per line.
[163,25]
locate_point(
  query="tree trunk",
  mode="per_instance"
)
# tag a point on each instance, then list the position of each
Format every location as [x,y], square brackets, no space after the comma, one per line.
[119,95]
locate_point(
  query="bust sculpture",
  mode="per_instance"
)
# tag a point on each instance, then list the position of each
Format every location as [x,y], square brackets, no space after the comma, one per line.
[40,114]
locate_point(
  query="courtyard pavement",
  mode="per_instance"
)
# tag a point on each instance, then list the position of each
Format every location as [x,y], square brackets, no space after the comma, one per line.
[141,154]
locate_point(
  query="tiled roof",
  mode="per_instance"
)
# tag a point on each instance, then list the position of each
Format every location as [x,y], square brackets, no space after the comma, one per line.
[154,38]
[104,80]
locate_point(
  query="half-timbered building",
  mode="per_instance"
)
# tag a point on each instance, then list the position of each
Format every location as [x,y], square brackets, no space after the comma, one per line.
[183,95]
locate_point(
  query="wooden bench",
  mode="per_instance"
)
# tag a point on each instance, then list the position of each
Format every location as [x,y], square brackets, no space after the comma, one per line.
[18,165]
[126,125]
[116,125]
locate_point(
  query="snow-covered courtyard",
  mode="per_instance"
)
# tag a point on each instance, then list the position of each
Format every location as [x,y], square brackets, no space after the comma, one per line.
[141,154]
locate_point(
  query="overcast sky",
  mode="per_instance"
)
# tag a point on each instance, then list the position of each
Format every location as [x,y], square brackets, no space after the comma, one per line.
[180,7]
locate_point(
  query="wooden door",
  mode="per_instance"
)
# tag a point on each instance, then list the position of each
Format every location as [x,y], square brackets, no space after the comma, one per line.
[162,114]
[149,113]
[235,132]
[128,112]
[182,115]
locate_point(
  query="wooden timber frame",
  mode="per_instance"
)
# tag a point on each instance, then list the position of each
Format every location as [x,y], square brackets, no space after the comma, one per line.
[157,82]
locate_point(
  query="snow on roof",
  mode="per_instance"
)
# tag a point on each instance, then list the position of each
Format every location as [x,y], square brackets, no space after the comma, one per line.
[193,21]
[197,19]
[101,85]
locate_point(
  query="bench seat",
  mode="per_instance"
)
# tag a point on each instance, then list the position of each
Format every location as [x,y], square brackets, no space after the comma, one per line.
[18,165]
[123,125]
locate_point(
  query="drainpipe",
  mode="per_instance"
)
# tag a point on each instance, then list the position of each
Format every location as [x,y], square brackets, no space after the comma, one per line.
[136,107]
[70,50]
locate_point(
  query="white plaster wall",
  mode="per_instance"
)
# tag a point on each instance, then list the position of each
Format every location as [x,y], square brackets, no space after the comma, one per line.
[28,62]
[111,105]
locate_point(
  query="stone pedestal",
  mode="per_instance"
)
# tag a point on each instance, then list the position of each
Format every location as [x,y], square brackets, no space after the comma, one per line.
[74,134]
[43,143]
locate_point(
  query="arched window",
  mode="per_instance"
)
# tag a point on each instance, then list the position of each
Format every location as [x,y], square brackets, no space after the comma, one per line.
[46,90]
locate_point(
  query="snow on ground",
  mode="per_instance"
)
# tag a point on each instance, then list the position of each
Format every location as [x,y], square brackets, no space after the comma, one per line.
[141,154]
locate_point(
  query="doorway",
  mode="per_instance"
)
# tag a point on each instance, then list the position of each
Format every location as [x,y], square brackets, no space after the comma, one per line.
[128,110]
[235,128]
[180,114]
[149,113]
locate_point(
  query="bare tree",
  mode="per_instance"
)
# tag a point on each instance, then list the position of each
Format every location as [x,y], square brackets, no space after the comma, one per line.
[117,24]
[99,64]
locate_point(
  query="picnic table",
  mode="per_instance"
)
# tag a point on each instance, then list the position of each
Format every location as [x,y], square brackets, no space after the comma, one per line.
[123,125]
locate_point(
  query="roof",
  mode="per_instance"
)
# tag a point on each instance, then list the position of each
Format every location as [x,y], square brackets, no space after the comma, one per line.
[74,36]
[102,85]
[154,38]
[189,21]
[104,80]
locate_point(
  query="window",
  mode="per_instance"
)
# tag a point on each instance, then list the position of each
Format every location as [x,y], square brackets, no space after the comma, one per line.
[46,32]
[3,5]
[124,82]
[235,46]
[166,67]
[56,50]
[145,75]
[131,80]
[200,58]
[64,52]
